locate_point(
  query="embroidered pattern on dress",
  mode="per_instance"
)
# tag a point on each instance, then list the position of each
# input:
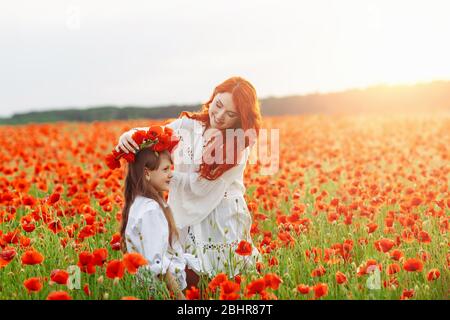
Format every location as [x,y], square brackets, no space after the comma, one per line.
[215,246]
[190,152]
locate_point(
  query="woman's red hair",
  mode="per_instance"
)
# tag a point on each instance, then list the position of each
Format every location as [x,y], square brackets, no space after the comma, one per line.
[247,105]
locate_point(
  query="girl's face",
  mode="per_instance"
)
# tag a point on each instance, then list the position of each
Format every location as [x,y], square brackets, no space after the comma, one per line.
[222,112]
[160,177]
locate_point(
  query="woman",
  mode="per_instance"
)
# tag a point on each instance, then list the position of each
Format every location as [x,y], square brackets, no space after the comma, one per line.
[207,198]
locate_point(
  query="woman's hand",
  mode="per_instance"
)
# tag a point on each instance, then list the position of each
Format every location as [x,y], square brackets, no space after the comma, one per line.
[212,135]
[126,142]
[213,141]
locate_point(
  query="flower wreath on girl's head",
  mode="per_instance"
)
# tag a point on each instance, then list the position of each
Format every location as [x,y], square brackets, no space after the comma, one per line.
[156,138]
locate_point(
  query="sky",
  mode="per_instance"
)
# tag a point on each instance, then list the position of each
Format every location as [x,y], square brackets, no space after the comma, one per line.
[57,54]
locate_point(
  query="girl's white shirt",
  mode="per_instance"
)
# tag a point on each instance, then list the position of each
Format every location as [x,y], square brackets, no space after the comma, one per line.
[147,233]
[212,216]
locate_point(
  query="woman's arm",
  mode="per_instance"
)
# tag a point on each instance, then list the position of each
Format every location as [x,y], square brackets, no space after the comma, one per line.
[127,144]
[193,197]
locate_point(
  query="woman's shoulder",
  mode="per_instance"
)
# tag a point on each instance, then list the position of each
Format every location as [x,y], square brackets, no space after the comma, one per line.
[191,124]
[184,122]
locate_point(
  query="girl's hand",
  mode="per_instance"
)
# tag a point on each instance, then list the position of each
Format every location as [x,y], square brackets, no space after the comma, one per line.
[181,296]
[126,142]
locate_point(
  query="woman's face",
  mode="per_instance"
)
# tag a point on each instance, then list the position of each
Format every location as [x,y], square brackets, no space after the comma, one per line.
[160,178]
[222,112]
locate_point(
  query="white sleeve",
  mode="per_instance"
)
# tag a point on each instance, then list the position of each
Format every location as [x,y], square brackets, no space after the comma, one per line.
[180,260]
[152,230]
[192,197]
[176,124]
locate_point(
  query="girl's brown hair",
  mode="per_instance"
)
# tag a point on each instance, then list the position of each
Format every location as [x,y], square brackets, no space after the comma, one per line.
[136,185]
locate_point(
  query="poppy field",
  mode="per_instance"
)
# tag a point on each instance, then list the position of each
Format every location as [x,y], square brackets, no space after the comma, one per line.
[359,209]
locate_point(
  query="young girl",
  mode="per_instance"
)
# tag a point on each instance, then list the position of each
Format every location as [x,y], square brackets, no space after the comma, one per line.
[147,225]
[208,199]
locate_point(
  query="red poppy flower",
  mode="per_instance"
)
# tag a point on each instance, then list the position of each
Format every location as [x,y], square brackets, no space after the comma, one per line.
[24,242]
[424,237]
[11,237]
[133,261]
[384,245]
[59,276]
[273,261]
[112,162]
[86,232]
[320,290]
[396,254]
[318,272]
[393,269]
[371,227]
[59,295]
[392,283]
[154,131]
[99,256]
[433,274]
[407,294]
[115,269]
[115,241]
[416,201]
[162,144]
[217,281]
[32,257]
[6,256]
[244,248]
[412,265]
[193,293]
[28,201]
[256,286]
[268,296]
[272,280]
[55,226]
[139,136]
[33,284]
[341,278]
[424,256]
[407,236]
[129,157]
[229,290]
[86,289]
[303,289]
[85,262]
[27,223]
[54,198]
[259,266]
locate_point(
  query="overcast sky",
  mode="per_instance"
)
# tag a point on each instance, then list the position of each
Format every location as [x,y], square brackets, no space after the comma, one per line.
[56,54]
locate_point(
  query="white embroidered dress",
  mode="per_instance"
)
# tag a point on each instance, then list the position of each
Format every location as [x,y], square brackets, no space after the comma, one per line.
[147,233]
[212,216]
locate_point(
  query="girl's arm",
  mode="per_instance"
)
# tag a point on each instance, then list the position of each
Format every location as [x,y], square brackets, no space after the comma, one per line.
[173,286]
[151,232]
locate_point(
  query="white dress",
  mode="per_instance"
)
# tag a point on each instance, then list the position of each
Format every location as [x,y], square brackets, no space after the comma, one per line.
[212,216]
[147,233]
